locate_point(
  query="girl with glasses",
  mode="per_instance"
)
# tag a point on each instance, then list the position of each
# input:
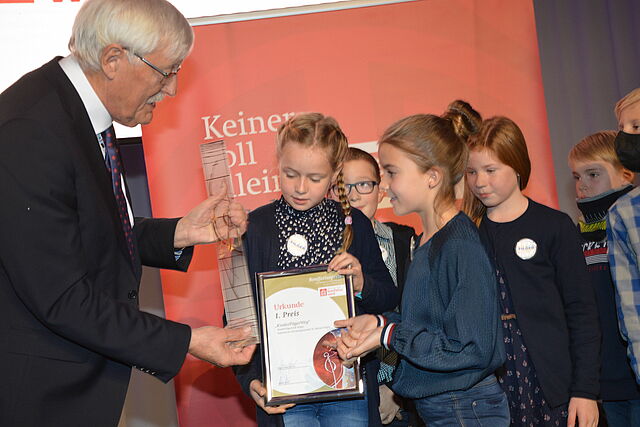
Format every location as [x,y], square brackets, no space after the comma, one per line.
[362,181]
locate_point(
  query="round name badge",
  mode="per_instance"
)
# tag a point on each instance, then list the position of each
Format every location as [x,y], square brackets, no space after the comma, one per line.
[297,244]
[384,253]
[526,248]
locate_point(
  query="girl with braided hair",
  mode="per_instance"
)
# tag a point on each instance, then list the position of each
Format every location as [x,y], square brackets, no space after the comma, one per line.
[304,228]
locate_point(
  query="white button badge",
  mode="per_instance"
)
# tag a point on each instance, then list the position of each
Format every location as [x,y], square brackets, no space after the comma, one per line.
[297,244]
[526,248]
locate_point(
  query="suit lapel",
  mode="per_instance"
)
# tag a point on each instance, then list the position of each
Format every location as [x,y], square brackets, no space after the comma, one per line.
[91,153]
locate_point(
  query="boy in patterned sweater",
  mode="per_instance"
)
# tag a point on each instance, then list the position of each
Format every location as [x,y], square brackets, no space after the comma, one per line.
[600,179]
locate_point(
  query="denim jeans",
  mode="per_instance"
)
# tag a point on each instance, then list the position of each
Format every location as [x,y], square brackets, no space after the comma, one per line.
[338,413]
[484,404]
[622,413]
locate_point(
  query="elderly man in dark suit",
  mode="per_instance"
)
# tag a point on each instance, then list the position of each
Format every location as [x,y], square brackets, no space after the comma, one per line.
[70,249]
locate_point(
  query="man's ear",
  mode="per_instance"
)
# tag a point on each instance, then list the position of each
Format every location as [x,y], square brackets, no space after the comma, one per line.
[111,60]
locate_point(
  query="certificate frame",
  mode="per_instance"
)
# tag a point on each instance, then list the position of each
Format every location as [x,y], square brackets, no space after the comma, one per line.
[297,310]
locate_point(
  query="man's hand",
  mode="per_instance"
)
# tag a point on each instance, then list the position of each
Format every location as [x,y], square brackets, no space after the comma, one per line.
[216,345]
[584,410]
[216,218]
[257,393]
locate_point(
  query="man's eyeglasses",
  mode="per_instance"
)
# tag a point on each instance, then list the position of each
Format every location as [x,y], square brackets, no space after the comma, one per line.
[165,75]
[362,187]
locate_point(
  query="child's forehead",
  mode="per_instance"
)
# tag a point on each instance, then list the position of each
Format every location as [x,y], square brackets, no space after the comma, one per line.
[358,167]
[582,164]
[630,112]
[301,151]
[484,154]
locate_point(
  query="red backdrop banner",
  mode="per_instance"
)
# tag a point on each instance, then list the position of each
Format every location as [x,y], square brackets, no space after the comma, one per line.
[367,67]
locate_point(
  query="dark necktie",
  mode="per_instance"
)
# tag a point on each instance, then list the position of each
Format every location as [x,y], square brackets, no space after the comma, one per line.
[112,160]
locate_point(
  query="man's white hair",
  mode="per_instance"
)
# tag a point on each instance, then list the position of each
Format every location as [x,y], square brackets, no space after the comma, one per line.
[139,25]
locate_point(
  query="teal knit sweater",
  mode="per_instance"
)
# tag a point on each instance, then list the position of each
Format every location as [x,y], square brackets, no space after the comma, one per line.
[448,333]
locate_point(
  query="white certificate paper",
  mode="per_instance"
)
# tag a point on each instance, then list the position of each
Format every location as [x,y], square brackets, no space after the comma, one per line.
[298,311]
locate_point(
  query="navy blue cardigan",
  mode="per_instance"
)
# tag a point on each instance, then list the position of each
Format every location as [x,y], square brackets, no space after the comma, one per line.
[448,332]
[553,298]
[379,294]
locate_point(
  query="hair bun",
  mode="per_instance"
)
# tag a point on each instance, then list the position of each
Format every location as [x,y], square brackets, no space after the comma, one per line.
[465,120]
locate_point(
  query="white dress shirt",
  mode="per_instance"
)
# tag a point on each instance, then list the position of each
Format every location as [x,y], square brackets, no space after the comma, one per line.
[98,114]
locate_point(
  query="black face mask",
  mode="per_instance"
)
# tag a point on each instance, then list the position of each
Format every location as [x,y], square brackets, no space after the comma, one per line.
[628,150]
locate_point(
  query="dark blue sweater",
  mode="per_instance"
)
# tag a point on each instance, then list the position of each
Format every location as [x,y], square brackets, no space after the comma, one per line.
[553,300]
[449,333]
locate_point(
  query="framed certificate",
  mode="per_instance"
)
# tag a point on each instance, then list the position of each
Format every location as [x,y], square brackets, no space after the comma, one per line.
[298,308]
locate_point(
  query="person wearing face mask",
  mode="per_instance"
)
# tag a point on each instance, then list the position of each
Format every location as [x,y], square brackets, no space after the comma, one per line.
[600,179]
[623,233]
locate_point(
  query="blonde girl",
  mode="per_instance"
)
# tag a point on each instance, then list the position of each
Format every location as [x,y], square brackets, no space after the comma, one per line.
[304,228]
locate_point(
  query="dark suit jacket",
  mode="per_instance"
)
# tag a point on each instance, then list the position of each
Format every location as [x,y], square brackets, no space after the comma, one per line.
[70,327]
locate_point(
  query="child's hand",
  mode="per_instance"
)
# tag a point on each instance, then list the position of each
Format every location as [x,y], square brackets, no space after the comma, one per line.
[583,410]
[349,348]
[257,393]
[358,324]
[356,327]
[389,405]
[344,348]
[345,263]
